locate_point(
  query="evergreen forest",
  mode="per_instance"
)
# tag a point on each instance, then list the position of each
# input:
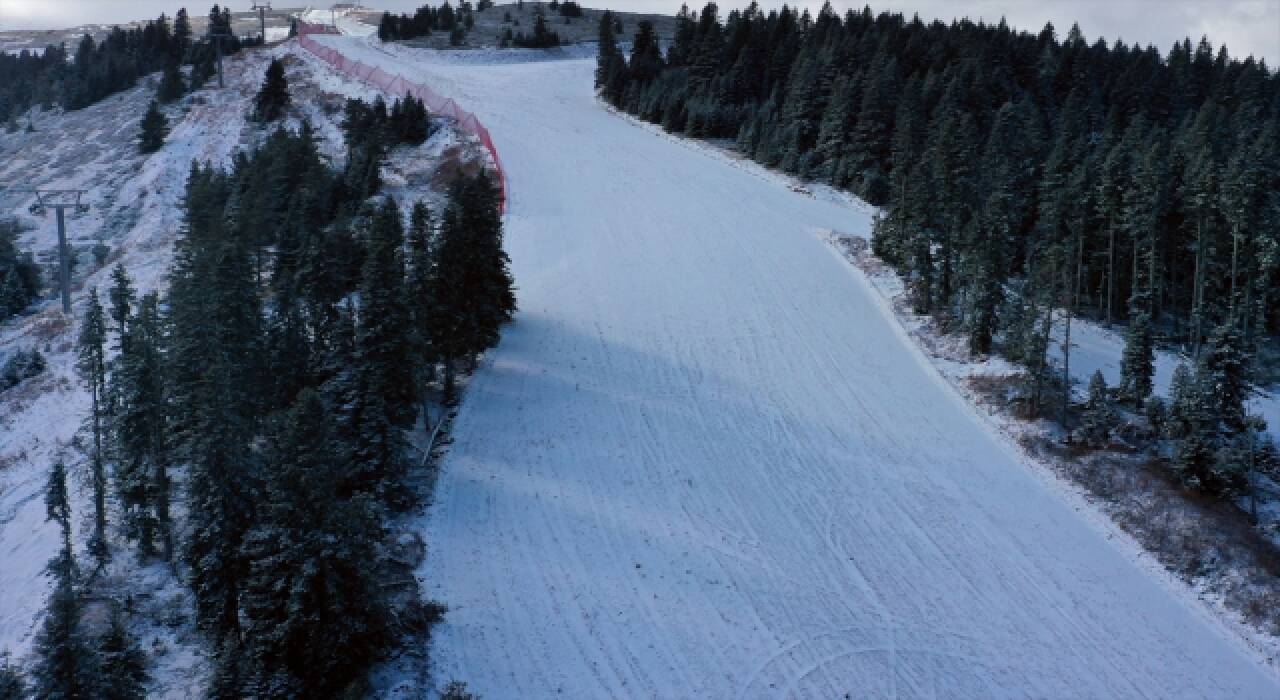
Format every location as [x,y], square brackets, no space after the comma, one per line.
[1023,179]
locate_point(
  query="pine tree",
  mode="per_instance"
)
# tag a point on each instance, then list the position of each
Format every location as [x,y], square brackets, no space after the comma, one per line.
[315,618]
[12,685]
[1157,415]
[1183,397]
[215,321]
[273,98]
[1195,426]
[172,86]
[1099,416]
[418,293]
[141,430]
[1223,376]
[92,366]
[121,296]
[472,290]
[64,665]
[1194,460]
[121,672]
[181,34]
[20,281]
[153,131]
[1136,363]
[610,65]
[385,338]
[952,158]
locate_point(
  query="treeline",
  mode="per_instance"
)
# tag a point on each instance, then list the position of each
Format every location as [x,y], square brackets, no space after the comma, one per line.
[99,69]
[568,8]
[427,19]
[303,329]
[1018,174]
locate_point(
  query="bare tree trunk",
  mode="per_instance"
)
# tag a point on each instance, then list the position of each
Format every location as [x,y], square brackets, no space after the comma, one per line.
[1197,301]
[1066,340]
[450,386]
[98,540]
[1111,271]
[1235,258]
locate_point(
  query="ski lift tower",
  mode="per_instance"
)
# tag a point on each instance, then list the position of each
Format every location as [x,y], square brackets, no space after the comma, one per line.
[59,201]
[216,40]
[263,8]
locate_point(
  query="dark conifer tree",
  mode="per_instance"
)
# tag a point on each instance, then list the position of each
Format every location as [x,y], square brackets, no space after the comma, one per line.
[215,317]
[1099,416]
[385,327]
[1137,362]
[611,66]
[65,666]
[121,672]
[181,34]
[141,429]
[92,365]
[121,297]
[172,86]
[315,617]
[154,130]
[19,274]
[418,293]
[12,685]
[472,290]
[273,98]
[1223,376]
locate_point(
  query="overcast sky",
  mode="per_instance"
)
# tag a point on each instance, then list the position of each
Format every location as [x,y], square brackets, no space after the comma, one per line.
[1245,26]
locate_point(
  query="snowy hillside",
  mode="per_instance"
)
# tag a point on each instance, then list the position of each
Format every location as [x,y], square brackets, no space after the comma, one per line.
[136,212]
[135,217]
[706,461]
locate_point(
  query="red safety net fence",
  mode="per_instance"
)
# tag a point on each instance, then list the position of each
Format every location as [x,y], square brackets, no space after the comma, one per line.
[397,85]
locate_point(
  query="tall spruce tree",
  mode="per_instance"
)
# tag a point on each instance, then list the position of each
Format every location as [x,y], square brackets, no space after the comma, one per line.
[273,98]
[611,66]
[121,672]
[385,339]
[142,432]
[1099,416]
[315,615]
[65,665]
[472,290]
[418,293]
[20,281]
[153,131]
[172,86]
[120,300]
[1223,376]
[92,366]
[215,321]
[1137,361]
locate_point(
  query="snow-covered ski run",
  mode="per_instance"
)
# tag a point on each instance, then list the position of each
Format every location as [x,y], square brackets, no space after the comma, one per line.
[706,462]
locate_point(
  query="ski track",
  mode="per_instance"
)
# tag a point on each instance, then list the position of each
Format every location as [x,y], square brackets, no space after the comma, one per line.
[706,462]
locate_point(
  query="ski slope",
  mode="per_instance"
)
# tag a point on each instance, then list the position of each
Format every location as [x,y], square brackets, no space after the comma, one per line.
[705,462]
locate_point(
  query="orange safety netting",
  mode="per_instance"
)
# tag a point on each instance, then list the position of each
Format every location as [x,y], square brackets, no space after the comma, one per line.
[398,85]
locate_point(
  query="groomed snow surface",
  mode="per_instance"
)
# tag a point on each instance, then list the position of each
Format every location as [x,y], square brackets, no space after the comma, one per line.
[706,462]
